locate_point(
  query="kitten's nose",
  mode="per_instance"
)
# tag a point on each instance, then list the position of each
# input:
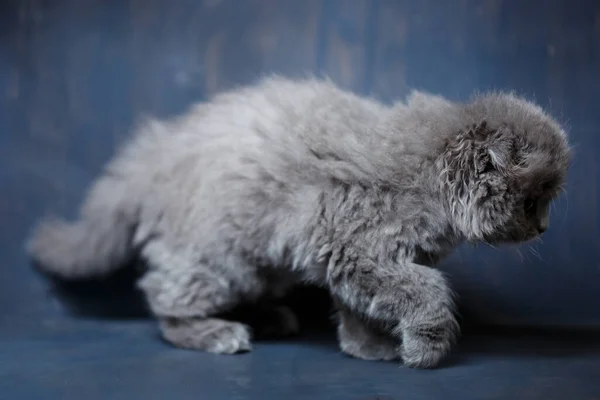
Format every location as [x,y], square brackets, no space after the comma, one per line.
[542,225]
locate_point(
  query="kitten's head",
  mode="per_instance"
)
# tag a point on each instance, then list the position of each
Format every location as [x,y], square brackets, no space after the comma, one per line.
[503,169]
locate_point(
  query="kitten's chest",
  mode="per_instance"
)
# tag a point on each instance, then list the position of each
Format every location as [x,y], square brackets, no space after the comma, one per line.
[432,254]
[427,258]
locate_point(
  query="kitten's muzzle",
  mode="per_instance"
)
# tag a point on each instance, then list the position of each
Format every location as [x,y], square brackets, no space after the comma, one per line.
[543,223]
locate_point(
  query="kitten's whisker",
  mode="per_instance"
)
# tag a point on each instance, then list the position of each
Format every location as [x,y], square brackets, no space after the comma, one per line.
[536,253]
[489,244]
[520,254]
[567,205]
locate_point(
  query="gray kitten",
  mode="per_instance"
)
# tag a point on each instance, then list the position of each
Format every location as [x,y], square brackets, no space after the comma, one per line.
[298,181]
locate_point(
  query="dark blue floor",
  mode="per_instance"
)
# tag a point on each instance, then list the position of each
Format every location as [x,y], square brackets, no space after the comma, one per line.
[74,76]
[126,360]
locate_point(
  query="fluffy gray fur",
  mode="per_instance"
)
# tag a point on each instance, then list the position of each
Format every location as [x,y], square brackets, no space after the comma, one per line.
[299,181]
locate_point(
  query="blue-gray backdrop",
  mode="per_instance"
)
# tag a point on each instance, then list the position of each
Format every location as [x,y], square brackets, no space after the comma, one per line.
[75,74]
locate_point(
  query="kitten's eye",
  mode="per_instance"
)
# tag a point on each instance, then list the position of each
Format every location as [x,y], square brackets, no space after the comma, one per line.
[488,167]
[529,205]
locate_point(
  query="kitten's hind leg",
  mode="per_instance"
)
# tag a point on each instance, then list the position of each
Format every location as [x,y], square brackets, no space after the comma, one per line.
[267,320]
[188,297]
[277,322]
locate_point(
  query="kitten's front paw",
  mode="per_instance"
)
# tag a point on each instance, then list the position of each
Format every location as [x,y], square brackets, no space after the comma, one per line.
[374,350]
[361,341]
[426,346]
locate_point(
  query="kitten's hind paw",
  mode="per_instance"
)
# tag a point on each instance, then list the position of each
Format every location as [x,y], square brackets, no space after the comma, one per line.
[280,321]
[267,320]
[212,335]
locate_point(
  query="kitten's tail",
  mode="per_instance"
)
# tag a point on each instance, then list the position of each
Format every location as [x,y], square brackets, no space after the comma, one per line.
[93,246]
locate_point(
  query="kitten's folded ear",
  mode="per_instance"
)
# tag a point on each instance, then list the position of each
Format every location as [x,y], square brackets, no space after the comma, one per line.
[494,147]
[477,149]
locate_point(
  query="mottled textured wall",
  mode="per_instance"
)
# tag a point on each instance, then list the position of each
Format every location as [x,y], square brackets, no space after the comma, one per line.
[75,74]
